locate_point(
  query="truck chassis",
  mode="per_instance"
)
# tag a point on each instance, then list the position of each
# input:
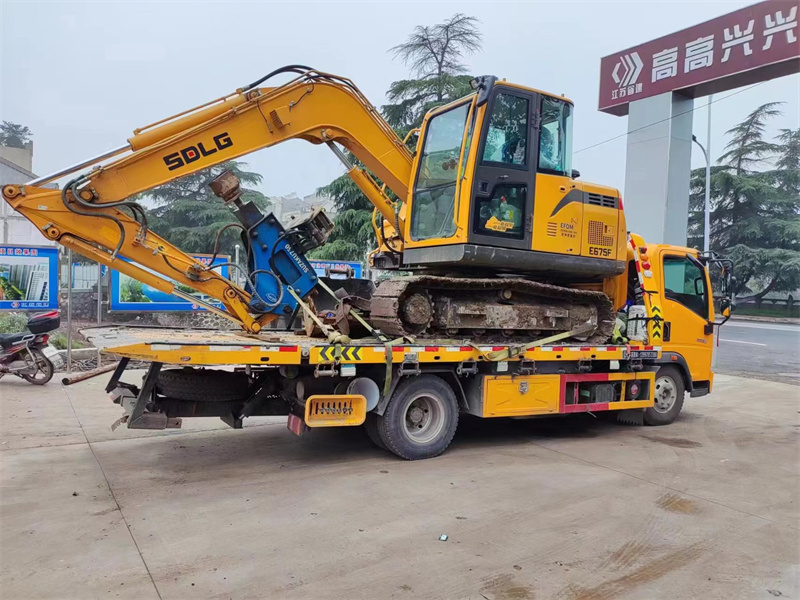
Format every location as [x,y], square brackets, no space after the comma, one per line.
[407,396]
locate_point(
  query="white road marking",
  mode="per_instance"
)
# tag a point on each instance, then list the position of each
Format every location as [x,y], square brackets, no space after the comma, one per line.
[741,342]
[757,325]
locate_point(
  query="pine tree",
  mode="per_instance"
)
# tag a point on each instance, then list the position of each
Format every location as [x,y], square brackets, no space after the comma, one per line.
[755,217]
[435,56]
[190,216]
[14,135]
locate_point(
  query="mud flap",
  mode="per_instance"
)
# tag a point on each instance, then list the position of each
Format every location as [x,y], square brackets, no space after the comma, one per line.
[631,417]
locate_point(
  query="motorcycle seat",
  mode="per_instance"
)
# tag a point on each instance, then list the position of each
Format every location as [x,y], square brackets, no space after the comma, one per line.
[9,339]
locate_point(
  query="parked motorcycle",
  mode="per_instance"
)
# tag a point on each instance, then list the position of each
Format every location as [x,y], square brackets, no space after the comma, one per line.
[28,354]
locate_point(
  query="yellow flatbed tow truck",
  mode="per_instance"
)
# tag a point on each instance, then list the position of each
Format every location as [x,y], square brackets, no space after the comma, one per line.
[519,271]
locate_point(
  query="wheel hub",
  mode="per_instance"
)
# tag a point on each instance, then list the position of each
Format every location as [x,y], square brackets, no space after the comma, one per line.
[415,415]
[424,418]
[665,394]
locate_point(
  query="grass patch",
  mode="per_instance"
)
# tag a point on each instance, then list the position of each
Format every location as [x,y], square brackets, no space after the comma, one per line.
[59,340]
[767,310]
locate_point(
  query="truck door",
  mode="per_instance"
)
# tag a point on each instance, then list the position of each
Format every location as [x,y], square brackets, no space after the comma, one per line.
[688,312]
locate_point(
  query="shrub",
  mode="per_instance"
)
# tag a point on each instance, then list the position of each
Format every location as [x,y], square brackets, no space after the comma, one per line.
[13,322]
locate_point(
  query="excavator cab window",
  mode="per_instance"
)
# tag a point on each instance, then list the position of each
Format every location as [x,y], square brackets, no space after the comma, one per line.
[502,214]
[433,206]
[507,139]
[555,139]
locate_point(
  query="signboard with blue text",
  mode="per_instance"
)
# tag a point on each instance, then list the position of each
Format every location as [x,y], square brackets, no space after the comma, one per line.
[131,295]
[336,268]
[28,278]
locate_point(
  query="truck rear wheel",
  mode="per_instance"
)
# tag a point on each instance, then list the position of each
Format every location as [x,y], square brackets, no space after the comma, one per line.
[667,397]
[420,419]
[371,427]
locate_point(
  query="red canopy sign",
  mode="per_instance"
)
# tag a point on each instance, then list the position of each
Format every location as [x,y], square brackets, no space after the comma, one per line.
[753,44]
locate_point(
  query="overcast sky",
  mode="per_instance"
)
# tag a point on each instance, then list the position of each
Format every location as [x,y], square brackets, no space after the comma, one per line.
[82,76]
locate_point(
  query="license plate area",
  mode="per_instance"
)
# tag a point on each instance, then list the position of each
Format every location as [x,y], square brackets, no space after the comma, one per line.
[643,354]
[49,351]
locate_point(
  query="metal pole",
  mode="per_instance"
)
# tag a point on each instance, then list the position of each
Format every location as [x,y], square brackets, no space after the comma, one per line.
[237,276]
[80,165]
[69,310]
[99,294]
[707,208]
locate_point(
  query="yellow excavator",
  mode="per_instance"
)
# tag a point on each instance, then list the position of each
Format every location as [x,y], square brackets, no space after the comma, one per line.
[494,233]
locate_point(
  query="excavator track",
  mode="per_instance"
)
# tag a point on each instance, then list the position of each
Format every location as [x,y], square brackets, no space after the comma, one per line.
[490,309]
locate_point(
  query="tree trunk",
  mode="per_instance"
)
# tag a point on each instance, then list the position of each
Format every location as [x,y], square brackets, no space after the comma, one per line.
[757,298]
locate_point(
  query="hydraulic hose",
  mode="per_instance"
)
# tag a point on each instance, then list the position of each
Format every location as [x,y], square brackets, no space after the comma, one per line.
[299,69]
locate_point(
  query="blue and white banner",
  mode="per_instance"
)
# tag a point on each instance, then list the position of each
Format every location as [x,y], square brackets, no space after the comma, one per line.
[28,278]
[131,295]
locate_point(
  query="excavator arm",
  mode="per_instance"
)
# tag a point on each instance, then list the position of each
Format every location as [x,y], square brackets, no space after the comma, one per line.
[93,216]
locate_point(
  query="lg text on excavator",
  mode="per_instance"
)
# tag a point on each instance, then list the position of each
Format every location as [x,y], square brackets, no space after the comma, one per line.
[494,239]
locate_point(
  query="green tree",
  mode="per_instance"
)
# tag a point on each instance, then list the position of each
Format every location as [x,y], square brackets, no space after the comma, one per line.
[755,206]
[435,56]
[189,215]
[14,135]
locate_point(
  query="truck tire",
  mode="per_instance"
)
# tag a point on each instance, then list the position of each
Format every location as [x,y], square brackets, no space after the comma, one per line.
[371,427]
[667,397]
[203,385]
[420,419]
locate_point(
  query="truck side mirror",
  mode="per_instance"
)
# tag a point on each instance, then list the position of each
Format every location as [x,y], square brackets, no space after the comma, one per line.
[575,173]
[725,307]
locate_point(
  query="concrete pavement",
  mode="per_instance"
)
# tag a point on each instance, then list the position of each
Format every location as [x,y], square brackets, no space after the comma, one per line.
[561,508]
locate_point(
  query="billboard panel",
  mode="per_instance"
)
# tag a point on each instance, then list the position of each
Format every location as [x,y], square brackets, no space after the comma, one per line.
[753,44]
[28,278]
[131,295]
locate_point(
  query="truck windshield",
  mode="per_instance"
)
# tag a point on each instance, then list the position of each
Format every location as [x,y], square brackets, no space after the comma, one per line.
[432,211]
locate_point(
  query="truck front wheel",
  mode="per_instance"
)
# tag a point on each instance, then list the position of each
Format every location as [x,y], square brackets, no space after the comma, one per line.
[667,397]
[420,419]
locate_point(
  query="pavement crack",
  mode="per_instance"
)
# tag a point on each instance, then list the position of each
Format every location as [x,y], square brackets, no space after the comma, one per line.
[116,502]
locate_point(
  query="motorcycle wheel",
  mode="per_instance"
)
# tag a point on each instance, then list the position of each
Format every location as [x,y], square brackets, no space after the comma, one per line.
[44,369]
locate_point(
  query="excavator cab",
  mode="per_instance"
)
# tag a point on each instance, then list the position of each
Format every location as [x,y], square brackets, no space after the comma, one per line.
[494,189]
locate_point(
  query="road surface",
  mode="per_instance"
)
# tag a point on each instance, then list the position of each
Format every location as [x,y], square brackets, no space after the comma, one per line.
[564,508]
[762,350]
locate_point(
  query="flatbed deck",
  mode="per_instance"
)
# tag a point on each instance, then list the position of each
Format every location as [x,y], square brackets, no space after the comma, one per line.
[214,347]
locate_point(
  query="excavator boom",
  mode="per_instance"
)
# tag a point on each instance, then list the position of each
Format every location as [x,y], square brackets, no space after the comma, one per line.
[90,215]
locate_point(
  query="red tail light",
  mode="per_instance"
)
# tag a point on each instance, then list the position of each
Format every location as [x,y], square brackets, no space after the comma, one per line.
[45,339]
[620,202]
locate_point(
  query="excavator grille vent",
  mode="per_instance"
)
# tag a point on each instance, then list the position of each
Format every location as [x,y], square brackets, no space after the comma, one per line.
[597,234]
[604,201]
[552,229]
